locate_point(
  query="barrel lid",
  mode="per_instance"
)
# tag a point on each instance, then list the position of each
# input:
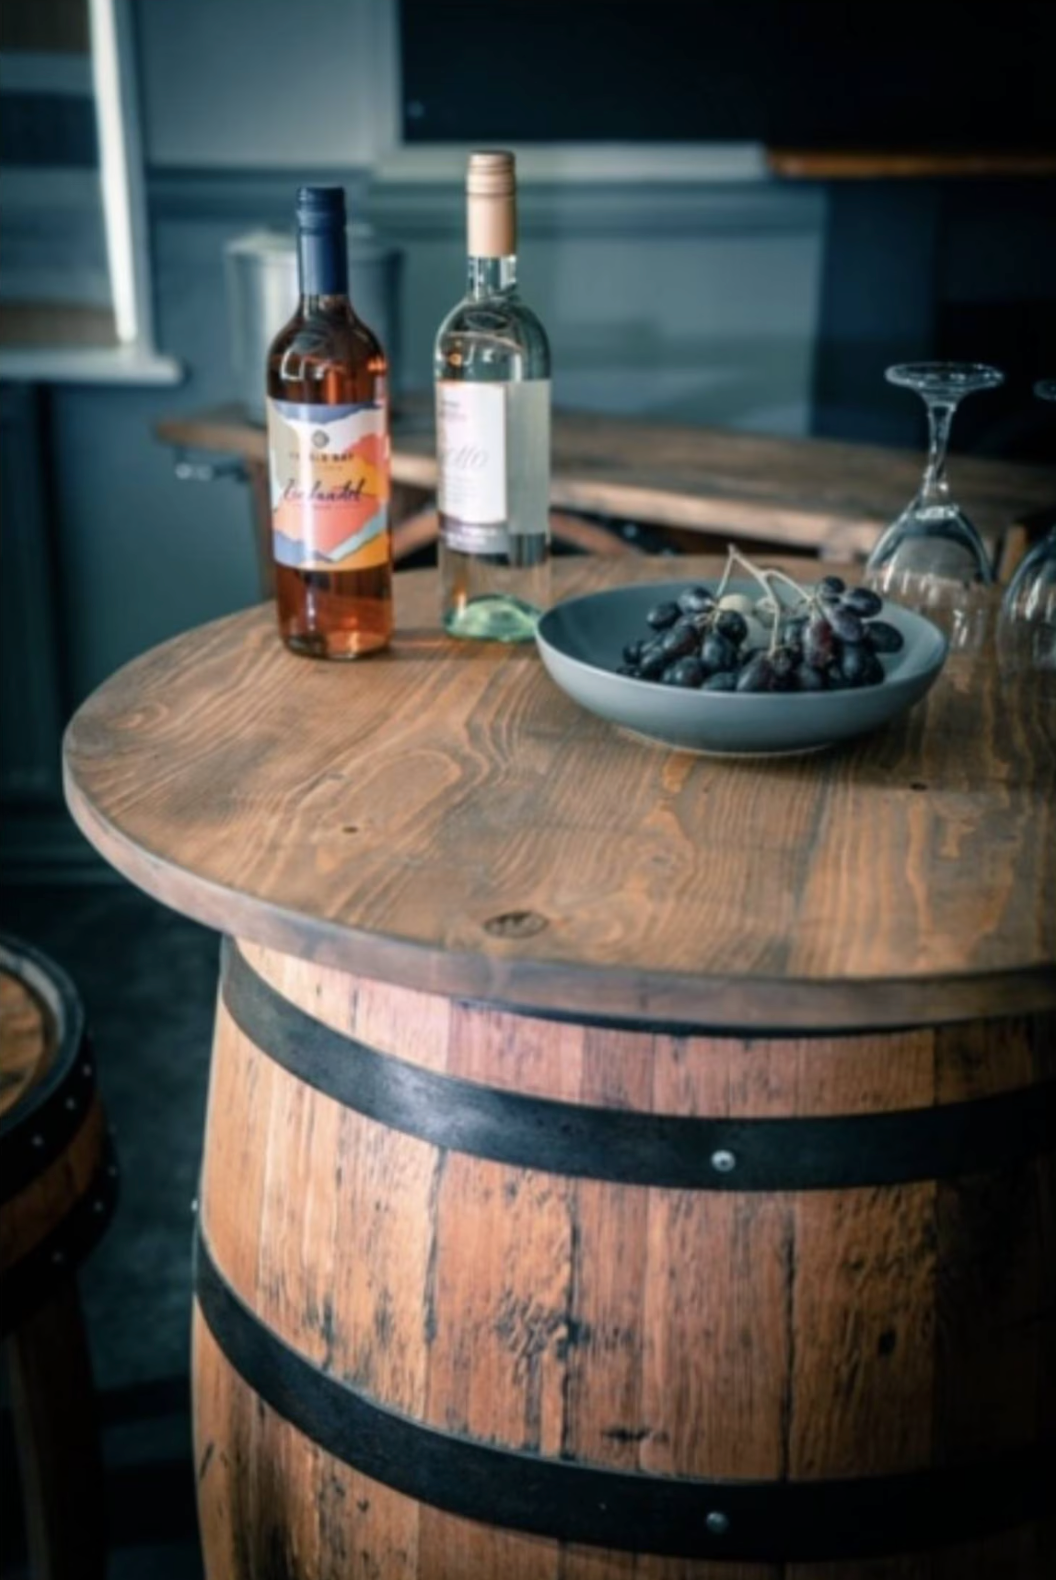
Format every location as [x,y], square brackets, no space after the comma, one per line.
[28,1038]
[47,1068]
[41,1026]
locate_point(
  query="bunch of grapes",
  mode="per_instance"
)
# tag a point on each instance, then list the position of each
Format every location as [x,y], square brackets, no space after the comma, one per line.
[822,638]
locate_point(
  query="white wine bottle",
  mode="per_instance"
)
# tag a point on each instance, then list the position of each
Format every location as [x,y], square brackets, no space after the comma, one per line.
[492,371]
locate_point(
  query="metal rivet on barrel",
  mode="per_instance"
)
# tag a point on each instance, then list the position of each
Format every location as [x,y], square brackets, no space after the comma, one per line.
[723,1162]
[194,1206]
[71,1103]
[36,1141]
[717,1523]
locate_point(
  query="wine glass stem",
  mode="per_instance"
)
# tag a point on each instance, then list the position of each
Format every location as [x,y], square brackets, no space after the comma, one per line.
[935,490]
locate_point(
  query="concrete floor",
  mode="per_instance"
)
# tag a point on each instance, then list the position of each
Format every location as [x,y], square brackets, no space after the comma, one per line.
[148,979]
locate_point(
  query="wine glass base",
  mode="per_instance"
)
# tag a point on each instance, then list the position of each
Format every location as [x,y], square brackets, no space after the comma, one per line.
[945,381]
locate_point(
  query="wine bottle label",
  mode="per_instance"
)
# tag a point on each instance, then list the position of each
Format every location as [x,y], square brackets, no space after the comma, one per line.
[471,465]
[493,456]
[329,473]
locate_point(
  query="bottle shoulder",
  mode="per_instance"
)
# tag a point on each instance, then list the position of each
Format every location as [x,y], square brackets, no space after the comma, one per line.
[482,331]
[305,343]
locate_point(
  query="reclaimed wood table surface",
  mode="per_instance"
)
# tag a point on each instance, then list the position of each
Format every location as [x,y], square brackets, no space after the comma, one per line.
[616,1157]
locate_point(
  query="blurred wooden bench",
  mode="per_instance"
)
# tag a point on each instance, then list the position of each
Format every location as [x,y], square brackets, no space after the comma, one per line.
[693,488]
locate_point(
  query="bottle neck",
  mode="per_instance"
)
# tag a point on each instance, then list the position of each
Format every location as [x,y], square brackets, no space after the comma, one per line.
[322,267]
[490,276]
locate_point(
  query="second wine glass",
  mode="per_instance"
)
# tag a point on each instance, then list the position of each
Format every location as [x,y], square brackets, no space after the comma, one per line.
[932,558]
[1026,627]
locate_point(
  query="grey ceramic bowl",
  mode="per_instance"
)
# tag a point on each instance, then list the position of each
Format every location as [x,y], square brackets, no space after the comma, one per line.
[581,641]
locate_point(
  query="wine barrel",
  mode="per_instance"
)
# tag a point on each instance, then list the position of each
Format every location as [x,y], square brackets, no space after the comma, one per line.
[58,1182]
[57,1170]
[486,1294]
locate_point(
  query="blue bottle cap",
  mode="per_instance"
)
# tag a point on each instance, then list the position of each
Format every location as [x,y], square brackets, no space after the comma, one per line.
[321,208]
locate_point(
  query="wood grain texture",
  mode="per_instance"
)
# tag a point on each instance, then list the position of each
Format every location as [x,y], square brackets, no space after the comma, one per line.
[35,1037]
[808,492]
[772,1335]
[442,817]
[27,1040]
[42,1205]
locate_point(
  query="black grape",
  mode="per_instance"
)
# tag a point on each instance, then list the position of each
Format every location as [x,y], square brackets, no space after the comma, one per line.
[717,652]
[819,643]
[652,661]
[661,615]
[859,667]
[845,623]
[681,640]
[695,600]
[731,624]
[863,601]
[783,661]
[884,638]
[792,629]
[757,674]
[688,672]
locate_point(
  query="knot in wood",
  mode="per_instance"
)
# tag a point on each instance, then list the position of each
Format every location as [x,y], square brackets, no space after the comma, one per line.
[515,924]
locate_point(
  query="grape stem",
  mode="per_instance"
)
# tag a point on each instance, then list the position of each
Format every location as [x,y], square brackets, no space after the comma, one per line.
[763,577]
[766,579]
[735,557]
[804,596]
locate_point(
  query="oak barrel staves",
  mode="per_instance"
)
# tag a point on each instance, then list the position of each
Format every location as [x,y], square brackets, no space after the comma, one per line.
[787,1312]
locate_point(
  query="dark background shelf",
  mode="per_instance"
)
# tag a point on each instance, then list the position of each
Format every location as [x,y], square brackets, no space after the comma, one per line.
[942,76]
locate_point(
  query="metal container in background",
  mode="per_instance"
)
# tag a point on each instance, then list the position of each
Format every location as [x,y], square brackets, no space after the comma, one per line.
[262,294]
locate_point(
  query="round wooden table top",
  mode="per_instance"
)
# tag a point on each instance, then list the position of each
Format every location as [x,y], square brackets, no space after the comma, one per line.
[443,817]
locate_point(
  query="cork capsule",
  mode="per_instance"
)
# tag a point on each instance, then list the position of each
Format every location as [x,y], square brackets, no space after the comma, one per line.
[491,205]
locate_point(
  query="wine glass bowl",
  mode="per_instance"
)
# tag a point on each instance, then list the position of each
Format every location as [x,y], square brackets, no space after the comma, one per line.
[1026,627]
[931,557]
[1027,624]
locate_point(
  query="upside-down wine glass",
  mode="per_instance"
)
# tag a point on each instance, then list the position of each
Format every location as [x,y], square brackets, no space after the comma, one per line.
[1026,627]
[932,558]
